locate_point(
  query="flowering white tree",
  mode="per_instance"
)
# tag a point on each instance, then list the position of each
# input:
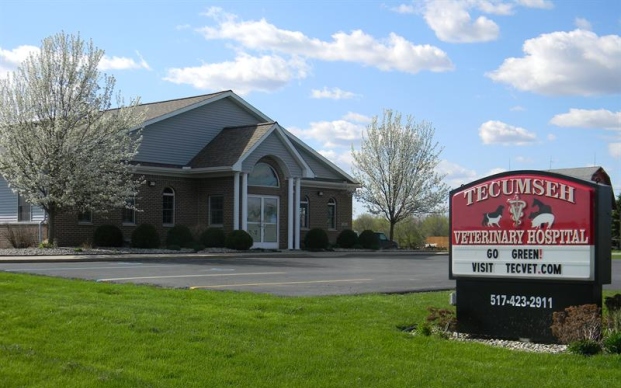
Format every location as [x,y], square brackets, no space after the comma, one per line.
[396,167]
[62,147]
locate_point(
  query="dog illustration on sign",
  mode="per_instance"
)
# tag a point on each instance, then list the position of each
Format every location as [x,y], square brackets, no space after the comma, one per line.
[543,215]
[493,218]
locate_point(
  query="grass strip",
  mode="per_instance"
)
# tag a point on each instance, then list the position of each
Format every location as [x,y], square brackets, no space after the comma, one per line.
[73,333]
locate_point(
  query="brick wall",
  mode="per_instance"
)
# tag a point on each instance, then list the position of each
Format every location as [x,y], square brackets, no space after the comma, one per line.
[192,208]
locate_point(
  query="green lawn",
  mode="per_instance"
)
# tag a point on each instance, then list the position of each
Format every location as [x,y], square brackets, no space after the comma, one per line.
[616,255]
[70,333]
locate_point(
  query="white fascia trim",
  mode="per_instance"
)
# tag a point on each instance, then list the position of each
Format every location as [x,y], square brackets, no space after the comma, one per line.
[172,171]
[307,172]
[319,156]
[329,185]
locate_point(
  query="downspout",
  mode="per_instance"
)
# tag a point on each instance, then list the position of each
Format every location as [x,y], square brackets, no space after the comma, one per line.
[41,227]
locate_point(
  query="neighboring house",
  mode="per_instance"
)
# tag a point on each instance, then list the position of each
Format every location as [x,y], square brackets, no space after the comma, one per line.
[216,161]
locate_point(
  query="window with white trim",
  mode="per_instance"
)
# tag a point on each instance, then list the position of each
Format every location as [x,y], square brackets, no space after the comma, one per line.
[216,210]
[129,212]
[24,210]
[263,175]
[332,213]
[304,213]
[168,206]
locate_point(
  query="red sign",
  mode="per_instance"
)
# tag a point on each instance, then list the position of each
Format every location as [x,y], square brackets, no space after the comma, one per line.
[523,225]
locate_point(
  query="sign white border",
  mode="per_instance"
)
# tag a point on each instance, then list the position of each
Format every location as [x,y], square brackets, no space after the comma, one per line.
[576,262]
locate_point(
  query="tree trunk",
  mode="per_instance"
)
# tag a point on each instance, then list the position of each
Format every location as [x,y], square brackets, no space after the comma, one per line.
[392,230]
[51,224]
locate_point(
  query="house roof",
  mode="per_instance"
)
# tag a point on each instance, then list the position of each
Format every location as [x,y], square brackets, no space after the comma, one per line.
[237,141]
[160,110]
[228,149]
[591,174]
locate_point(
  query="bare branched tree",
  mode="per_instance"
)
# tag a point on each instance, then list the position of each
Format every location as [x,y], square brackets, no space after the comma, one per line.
[396,166]
[62,147]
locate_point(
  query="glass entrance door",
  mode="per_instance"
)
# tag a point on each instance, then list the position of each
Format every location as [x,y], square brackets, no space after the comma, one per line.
[263,221]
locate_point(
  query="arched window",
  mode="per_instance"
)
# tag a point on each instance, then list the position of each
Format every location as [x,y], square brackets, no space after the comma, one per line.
[168,206]
[304,213]
[332,213]
[263,175]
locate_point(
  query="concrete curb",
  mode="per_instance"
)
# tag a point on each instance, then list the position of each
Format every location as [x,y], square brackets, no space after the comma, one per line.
[85,257]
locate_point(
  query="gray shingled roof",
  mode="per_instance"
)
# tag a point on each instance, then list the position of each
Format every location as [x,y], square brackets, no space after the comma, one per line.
[156,109]
[230,145]
[584,173]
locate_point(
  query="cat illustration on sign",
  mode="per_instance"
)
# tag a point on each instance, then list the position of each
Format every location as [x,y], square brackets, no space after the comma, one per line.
[493,218]
[543,215]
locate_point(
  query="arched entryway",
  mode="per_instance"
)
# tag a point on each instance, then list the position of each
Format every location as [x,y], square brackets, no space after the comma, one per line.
[263,210]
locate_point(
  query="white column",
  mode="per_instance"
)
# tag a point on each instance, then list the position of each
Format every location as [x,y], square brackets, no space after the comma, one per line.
[290,220]
[296,212]
[236,201]
[244,202]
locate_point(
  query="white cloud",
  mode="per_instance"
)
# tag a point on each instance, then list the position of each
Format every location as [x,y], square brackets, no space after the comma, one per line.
[451,21]
[517,108]
[565,63]
[585,118]
[456,175]
[331,134]
[615,150]
[393,53]
[551,137]
[333,93]
[357,117]
[404,9]
[543,4]
[11,59]
[122,63]
[583,24]
[497,132]
[245,74]
[343,160]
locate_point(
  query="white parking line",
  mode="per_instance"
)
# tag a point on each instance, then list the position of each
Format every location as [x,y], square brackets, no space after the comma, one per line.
[191,276]
[282,283]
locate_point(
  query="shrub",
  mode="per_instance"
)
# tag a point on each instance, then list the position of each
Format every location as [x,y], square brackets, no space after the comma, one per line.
[179,235]
[174,247]
[612,343]
[443,320]
[368,239]
[585,347]
[20,237]
[347,239]
[145,236]
[238,239]
[213,238]
[197,247]
[316,239]
[577,323]
[108,236]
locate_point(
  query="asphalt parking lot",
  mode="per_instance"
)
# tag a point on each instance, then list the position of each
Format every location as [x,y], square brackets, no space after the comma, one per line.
[278,274]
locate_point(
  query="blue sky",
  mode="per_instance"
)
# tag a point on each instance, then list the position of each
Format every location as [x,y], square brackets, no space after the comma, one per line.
[507,84]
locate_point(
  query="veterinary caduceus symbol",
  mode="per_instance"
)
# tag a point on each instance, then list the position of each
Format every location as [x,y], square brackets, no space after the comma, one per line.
[516,208]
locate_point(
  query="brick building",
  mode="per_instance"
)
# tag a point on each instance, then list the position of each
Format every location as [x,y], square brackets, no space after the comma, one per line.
[214,161]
